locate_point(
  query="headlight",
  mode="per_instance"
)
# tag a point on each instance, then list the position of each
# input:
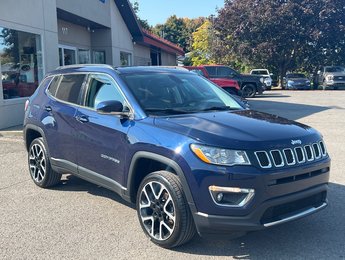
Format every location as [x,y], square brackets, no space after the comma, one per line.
[262,80]
[214,155]
[290,82]
[329,77]
[267,80]
[308,82]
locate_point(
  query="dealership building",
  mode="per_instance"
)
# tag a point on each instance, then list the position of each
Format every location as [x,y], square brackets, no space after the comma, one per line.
[37,36]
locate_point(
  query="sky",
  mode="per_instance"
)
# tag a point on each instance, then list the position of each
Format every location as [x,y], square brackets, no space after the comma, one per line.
[158,11]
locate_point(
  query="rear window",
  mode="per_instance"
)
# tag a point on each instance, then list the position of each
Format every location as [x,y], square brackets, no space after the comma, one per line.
[67,87]
[259,72]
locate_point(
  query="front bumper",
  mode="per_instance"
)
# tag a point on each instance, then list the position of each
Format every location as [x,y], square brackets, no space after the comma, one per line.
[280,196]
[270,213]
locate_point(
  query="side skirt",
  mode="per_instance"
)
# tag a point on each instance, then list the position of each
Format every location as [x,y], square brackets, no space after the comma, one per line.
[64,166]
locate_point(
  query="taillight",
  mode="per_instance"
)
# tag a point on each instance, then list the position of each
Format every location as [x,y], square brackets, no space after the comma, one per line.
[27,102]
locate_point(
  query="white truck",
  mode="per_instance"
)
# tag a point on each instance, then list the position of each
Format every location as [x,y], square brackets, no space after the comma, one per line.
[265,74]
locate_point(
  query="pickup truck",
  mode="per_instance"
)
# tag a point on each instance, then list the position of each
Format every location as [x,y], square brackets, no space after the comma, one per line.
[331,77]
[249,84]
[229,85]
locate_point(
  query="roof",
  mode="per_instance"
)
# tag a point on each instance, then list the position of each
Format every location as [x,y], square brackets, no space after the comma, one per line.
[151,69]
[141,36]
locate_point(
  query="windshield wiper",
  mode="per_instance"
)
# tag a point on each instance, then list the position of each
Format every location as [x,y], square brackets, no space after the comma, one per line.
[167,110]
[221,108]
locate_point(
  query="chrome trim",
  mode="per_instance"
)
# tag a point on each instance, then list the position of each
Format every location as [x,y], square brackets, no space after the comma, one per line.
[312,153]
[303,160]
[268,158]
[250,194]
[324,146]
[299,215]
[281,157]
[318,147]
[293,156]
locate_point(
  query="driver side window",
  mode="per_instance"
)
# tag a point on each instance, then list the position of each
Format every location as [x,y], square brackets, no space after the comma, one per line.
[102,88]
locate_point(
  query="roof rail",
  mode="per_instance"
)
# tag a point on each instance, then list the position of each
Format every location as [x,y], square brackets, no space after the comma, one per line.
[84,65]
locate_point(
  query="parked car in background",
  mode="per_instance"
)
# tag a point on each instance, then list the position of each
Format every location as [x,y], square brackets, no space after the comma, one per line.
[249,84]
[178,147]
[296,81]
[331,77]
[265,74]
[230,85]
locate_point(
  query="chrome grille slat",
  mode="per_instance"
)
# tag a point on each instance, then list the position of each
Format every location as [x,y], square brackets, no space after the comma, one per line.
[259,156]
[291,156]
[287,152]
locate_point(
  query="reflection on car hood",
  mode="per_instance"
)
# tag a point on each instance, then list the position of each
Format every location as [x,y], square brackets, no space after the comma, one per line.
[239,129]
[298,79]
[335,73]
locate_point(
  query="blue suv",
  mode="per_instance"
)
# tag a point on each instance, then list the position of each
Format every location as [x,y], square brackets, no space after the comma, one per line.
[179,147]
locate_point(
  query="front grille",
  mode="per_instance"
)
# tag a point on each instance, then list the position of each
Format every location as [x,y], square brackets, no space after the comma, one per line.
[339,78]
[279,212]
[289,157]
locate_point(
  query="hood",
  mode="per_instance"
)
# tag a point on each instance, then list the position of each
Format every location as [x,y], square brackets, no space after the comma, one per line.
[252,77]
[243,129]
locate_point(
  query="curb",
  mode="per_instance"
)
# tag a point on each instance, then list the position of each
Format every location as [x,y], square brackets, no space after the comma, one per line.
[10,133]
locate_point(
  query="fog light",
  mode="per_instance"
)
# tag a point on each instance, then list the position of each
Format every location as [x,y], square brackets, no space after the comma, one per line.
[220,197]
[231,196]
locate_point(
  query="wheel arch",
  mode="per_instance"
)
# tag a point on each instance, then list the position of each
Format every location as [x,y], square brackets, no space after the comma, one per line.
[31,132]
[153,162]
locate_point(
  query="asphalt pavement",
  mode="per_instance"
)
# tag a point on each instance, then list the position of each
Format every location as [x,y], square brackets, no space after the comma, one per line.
[79,220]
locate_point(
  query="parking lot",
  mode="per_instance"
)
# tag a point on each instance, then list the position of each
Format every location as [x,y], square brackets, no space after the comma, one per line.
[78,220]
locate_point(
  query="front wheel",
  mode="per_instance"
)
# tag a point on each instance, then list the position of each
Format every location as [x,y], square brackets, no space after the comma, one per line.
[163,211]
[249,90]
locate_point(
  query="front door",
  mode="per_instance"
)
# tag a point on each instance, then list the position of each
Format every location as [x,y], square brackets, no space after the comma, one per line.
[102,138]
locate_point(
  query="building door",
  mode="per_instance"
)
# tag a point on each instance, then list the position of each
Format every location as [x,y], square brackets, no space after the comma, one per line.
[67,55]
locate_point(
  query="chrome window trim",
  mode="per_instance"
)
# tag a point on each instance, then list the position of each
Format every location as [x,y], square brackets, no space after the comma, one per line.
[281,156]
[303,160]
[87,74]
[312,153]
[268,158]
[293,156]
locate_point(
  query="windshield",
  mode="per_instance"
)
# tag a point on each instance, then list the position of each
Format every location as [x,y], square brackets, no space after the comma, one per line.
[259,72]
[335,69]
[177,93]
[295,76]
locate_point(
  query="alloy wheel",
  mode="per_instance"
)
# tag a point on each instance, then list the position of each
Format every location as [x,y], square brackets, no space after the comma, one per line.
[157,210]
[37,163]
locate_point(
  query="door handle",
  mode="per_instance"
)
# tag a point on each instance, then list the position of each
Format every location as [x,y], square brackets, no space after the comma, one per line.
[82,119]
[48,108]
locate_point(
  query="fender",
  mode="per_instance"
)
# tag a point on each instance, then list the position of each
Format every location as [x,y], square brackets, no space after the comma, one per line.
[165,160]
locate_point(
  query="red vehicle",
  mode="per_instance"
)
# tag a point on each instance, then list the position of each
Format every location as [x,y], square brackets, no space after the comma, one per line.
[230,85]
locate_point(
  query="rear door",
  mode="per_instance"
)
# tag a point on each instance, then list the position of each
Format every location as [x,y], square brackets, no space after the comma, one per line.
[102,138]
[59,120]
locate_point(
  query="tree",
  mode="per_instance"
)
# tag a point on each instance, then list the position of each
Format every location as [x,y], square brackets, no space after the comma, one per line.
[283,35]
[179,30]
[201,47]
[143,23]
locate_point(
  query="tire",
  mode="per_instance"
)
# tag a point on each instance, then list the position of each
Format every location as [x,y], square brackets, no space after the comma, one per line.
[39,165]
[161,203]
[249,90]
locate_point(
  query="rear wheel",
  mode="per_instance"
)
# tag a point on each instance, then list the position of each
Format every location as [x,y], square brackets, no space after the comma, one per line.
[249,90]
[39,165]
[163,212]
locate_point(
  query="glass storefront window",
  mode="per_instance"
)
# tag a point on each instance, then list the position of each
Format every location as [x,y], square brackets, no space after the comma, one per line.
[125,59]
[21,66]
[98,57]
[84,56]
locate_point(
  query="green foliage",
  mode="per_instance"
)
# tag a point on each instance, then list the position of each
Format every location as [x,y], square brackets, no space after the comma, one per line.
[282,35]
[179,30]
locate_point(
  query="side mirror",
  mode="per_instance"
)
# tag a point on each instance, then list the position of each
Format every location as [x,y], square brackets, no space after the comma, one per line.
[271,74]
[319,72]
[113,107]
